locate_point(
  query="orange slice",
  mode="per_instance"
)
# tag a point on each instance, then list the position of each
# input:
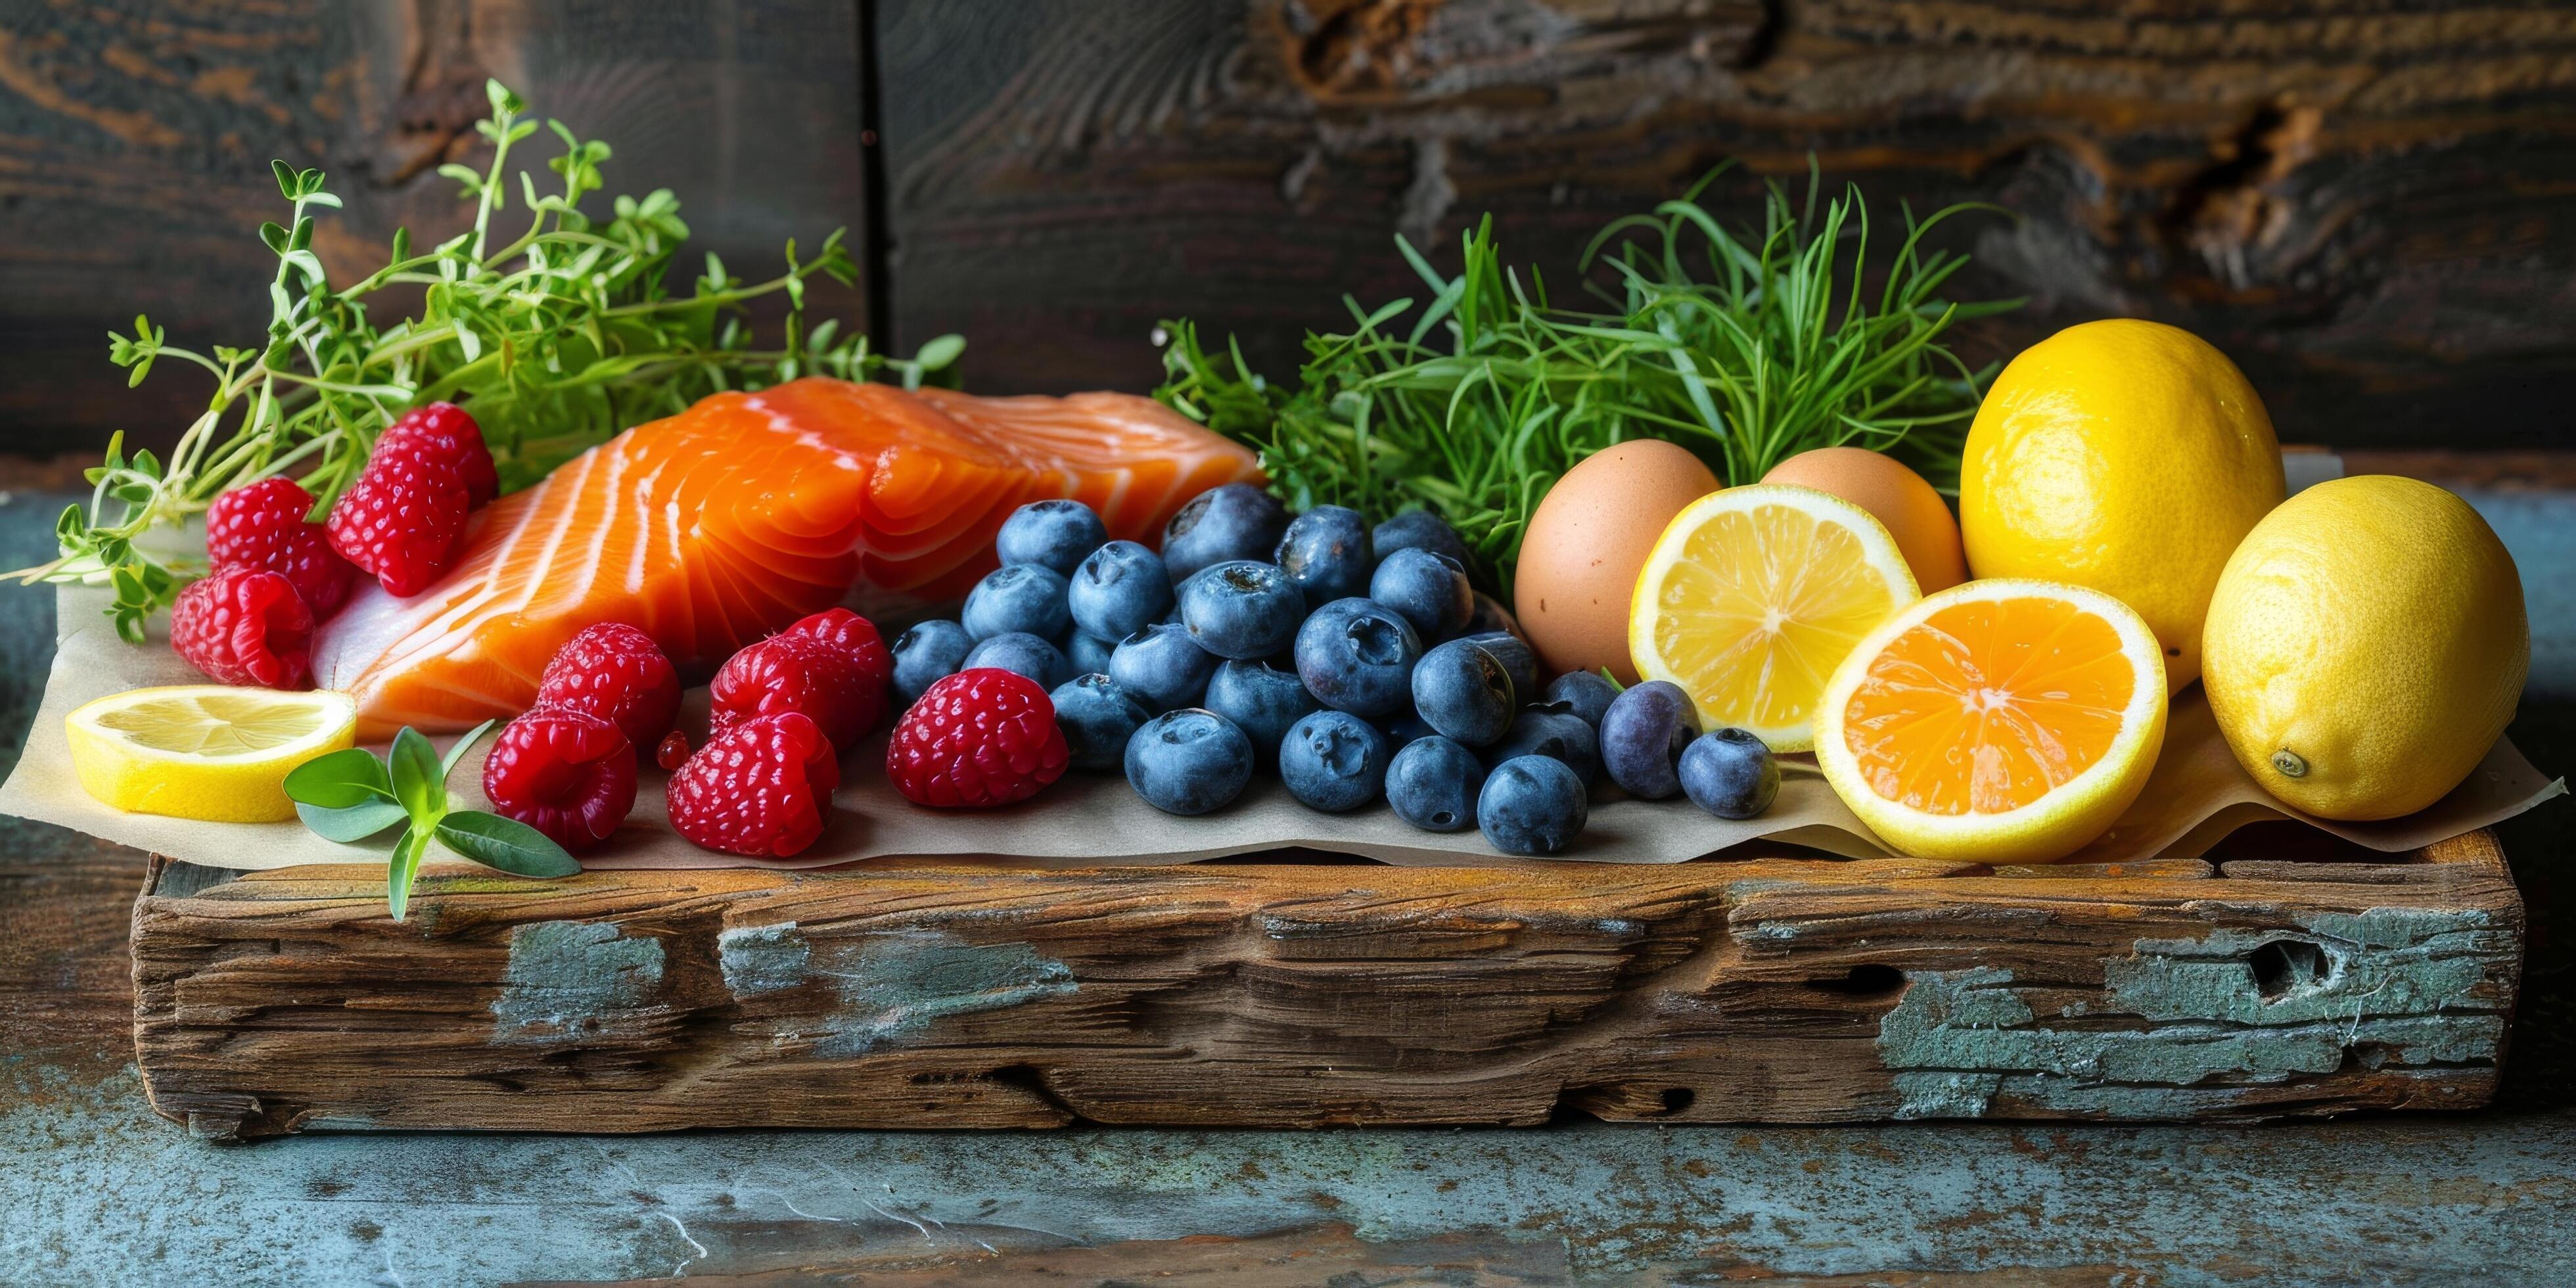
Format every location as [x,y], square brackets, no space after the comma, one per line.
[2003,721]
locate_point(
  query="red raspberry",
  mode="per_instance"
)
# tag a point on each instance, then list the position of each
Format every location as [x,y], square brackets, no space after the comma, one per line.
[568,774]
[245,626]
[261,525]
[617,673]
[760,788]
[856,638]
[400,520]
[795,673]
[977,738]
[444,432]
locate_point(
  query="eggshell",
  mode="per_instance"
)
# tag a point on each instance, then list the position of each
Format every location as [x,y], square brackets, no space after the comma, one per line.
[1915,515]
[1585,543]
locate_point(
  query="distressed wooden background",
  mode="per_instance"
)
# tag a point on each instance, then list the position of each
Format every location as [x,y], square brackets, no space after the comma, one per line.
[2371,204]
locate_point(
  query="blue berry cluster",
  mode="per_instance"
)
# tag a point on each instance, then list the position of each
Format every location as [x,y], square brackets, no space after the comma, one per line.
[1356,663]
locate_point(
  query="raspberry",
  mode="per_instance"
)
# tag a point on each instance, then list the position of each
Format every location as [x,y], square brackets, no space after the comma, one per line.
[795,673]
[400,520]
[568,774]
[245,626]
[760,788]
[856,638]
[444,432]
[977,738]
[616,672]
[261,525]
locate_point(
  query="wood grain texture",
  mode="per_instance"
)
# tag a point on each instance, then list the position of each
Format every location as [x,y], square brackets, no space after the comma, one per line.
[2367,204]
[135,141]
[1771,989]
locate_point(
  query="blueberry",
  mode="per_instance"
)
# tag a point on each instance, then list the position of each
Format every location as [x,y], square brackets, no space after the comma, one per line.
[1022,654]
[1583,693]
[1189,761]
[1517,659]
[1097,715]
[1119,590]
[1417,530]
[1643,735]
[1730,773]
[1464,692]
[1052,534]
[1260,699]
[1162,666]
[1242,609]
[1237,521]
[926,654]
[1356,655]
[1531,805]
[1089,654]
[1407,729]
[1537,731]
[1017,597]
[1333,761]
[1432,784]
[1490,616]
[1326,552]
[1430,590]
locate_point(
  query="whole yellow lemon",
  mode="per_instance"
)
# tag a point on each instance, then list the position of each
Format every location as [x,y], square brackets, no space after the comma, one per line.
[2126,456]
[2365,647]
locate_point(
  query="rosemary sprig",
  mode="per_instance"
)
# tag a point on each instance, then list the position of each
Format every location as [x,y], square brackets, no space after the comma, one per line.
[1745,346]
[556,338]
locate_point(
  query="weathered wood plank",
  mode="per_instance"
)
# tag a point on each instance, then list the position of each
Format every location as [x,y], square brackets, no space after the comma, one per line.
[135,141]
[2364,205]
[979,996]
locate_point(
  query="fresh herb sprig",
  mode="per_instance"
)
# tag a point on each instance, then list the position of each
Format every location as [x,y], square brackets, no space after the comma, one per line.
[350,796]
[556,338]
[1745,346]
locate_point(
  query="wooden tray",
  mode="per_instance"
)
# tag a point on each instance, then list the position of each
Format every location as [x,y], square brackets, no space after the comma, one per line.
[1767,989]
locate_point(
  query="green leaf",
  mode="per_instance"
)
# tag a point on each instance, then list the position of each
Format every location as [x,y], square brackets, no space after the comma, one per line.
[504,103]
[275,235]
[465,744]
[418,782]
[351,824]
[939,351]
[402,867]
[505,843]
[343,779]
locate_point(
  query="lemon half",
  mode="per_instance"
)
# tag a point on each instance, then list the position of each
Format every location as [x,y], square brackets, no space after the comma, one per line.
[204,751]
[1754,595]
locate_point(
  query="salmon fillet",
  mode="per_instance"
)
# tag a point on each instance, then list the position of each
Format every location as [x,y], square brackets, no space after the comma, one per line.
[716,527]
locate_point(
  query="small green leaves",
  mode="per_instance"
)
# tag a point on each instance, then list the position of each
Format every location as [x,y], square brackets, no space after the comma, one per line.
[350,796]
[938,352]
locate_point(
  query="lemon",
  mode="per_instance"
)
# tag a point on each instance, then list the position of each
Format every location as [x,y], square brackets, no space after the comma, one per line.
[1753,595]
[2127,456]
[1997,721]
[2366,646]
[205,751]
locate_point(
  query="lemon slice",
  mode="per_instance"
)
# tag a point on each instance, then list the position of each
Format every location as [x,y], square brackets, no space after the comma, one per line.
[205,751]
[1999,721]
[1754,595]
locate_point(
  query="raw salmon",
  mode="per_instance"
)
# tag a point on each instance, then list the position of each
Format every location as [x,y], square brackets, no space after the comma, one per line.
[713,528]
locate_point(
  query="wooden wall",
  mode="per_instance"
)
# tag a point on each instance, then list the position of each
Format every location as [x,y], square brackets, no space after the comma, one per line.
[2370,203]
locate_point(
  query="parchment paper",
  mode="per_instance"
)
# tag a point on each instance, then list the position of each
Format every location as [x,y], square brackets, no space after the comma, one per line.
[2198,795]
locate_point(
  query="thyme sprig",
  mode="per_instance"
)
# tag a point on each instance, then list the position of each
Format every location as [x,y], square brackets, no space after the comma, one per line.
[556,338]
[1746,346]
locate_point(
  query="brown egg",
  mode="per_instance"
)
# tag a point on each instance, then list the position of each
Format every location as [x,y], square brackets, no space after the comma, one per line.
[1586,541]
[1915,515]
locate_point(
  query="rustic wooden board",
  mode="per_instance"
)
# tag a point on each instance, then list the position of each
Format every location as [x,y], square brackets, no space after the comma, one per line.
[1770,989]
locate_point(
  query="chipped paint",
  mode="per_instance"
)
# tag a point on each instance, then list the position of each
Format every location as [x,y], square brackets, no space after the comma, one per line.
[2387,987]
[889,985]
[567,975]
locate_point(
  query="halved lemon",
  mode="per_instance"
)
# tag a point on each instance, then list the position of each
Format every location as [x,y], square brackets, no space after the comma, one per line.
[205,751]
[1753,595]
[2001,721]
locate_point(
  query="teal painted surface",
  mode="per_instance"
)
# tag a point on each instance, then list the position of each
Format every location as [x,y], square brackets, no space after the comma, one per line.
[565,975]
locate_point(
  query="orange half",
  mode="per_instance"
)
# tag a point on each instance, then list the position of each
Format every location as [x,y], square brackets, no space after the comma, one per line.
[2008,721]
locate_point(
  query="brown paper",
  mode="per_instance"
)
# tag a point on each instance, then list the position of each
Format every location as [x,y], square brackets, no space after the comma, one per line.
[2197,795]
